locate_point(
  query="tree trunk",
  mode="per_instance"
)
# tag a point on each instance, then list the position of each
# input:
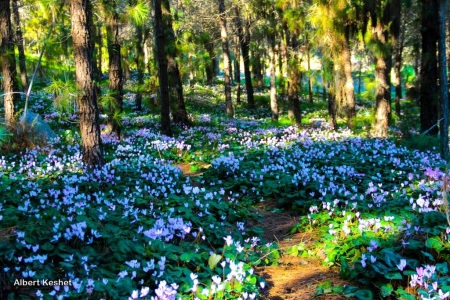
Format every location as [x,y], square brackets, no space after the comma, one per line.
[398,44]
[308,60]
[8,61]
[160,41]
[226,59]
[115,69]
[179,112]
[244,41]
[349,105]
[210,66]
[257,69]
[273,86]
[139,60]
[294,81]
[20,46]
[429,70]
[443,80]
[237,69]
[87,99]
[382,71]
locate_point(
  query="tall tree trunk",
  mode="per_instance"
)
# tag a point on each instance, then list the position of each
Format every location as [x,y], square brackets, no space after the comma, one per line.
[99,42]
[115,69]
[257,69]
[87,99]
[349,105]
[244,41]
[273,86]
[237,69]
[179,112]
[398,44]
[382,70]
[8,61]
[308,60]
[160,41]
[226,59]
[140,66]
[294,80]
[429,70]
[20,46]
[443,80]
[210,65]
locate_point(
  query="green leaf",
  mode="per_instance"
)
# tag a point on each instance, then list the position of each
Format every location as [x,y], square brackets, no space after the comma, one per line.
[434,243]
[442,268]
[393,275]
[428,255]
[386,290]
[214,260]
[186,257]
[364,295]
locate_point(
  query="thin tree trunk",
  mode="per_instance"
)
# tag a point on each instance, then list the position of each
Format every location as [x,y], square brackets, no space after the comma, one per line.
[443,80]
[294,81]
[87,99]
[308,60]
[160,41]
[99,42]
[115,69]
[397,43]
[139,60]
[210,65]
[8,61]
[273,86]
[429,70]
[257,69]
[244,40]
[20,46]
[237,69]
[226,59]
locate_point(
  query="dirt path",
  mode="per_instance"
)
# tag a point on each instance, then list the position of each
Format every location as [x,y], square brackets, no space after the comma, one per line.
[294,277]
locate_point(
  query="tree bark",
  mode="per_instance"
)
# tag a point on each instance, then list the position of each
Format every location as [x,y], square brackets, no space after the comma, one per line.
[20,46]
[273,86]
[443,80]
[226,59]
[179,112]
[257,69]
[115,69]
[382,71]
[160,41]
[139,60]
[349,105]
[244,40]
[237,69]
[429,70]
[8,61]
[92,151]
[398,44]
[294,81]
[308,61]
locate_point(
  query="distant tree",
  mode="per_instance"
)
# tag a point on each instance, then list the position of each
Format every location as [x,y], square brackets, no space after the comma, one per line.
[429,94]
[20,46]
[92,151]
[226,58]
[8,61]
[114,108]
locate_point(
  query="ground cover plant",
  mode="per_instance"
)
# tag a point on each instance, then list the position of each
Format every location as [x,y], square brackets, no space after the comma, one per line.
[139,229]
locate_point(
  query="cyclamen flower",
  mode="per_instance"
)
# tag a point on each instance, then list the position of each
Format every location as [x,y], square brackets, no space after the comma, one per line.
[401,266]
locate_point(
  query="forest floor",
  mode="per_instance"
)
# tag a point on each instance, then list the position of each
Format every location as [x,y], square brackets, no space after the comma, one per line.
[294,277]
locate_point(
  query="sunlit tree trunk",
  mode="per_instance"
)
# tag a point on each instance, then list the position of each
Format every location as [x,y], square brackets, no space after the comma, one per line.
[139,60]
[382,71]
[294,81]
[429,70]
[273,86]
[87,99]
[160,41]
[226,59]
[349,90]
[237,69]
[8,61]
[308,61]
[20,46]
